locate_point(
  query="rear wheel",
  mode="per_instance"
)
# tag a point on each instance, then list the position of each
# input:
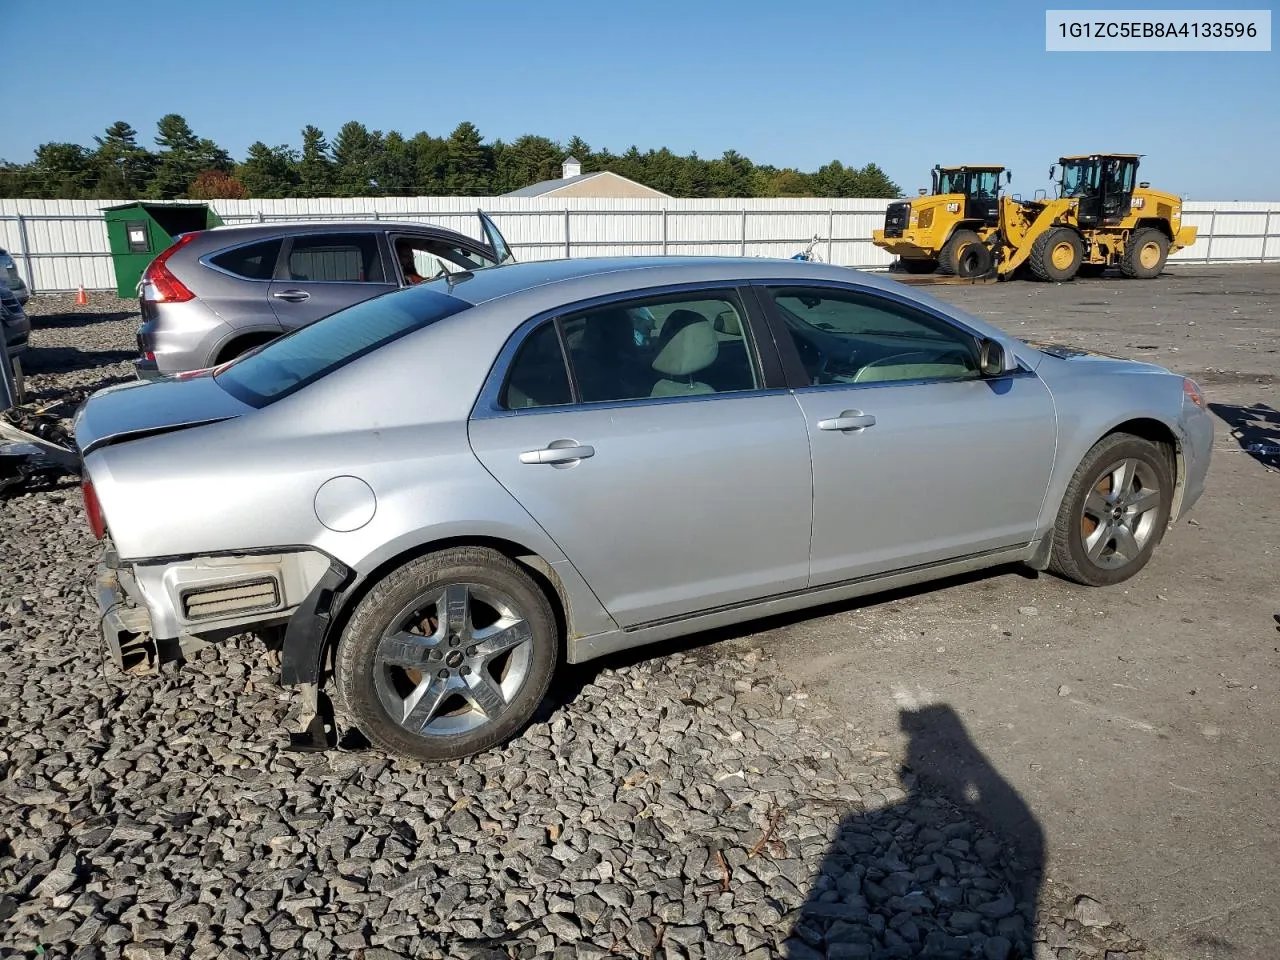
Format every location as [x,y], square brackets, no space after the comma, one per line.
[241,346]
[964,255]
[918,266]
[447,656]
[1114,511]
[1144,254]
[1056,255]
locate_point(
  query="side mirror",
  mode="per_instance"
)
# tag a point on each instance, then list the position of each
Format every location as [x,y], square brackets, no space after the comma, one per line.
[993,359]
[1053,169]
[1008,176]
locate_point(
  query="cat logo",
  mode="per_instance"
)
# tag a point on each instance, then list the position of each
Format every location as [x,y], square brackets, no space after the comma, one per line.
[1138,203]
[953,207]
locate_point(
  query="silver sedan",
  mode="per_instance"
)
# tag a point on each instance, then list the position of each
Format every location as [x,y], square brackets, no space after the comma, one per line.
[438,495]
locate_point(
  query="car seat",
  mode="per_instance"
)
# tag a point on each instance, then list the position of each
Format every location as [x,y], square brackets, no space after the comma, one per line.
[689,345]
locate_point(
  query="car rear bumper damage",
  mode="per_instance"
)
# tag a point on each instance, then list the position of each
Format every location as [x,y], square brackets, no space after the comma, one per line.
[155,612]
[126,623]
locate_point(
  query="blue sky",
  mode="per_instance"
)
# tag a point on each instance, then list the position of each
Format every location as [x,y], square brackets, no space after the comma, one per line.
[904,84]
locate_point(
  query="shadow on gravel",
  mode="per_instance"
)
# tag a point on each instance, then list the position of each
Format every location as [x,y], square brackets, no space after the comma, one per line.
[85,319]
[922,877]
[71,359]
[1255,428]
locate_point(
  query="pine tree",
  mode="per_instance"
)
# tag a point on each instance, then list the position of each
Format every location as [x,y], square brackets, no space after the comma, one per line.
[269,171]
[466,170]
[315,169]
[123,167]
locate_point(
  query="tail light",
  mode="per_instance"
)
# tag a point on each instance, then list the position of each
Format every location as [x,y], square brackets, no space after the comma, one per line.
[93,510]
[159,285]
[1192,391]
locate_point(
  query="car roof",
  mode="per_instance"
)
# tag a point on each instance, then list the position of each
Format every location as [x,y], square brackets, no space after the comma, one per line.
[277,228]
[604,275]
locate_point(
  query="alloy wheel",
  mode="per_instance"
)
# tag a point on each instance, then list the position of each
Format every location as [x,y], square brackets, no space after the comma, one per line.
[452,660]
[1120,513]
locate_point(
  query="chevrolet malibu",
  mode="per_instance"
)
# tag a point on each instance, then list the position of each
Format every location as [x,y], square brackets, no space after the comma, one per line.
[436,496]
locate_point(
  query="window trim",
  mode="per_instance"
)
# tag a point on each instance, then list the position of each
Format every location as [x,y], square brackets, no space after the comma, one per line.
[378,240]
[206,260]
[798,380]
[761,338]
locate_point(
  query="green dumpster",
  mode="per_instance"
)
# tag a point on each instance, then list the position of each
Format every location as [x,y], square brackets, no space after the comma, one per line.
[139,231]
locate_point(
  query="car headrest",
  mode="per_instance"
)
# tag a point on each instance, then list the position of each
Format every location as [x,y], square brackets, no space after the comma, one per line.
[689,344]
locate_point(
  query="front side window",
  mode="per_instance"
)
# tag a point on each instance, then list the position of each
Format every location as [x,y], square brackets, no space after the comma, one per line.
[335,258]
[984,183]
[655,348]
[288,364]
[849,337]
[422,259]
[254,261]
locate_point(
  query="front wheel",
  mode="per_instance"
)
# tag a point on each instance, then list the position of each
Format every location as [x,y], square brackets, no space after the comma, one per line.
[1114,511]
[1056,255]
[447,656]
[1145,254]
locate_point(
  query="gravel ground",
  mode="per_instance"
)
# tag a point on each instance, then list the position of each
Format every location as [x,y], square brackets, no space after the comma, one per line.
[692,804]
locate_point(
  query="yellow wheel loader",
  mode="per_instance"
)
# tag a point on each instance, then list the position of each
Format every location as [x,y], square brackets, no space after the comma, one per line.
[950,228]
[1102,217]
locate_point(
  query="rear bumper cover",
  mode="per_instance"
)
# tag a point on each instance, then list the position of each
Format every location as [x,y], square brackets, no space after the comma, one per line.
[126,623]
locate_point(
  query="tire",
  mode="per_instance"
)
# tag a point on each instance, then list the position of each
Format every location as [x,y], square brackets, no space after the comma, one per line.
[918,266]
[1089,545]
[955,253]
[238,348]
[447,675]
[1091,270]
[1056,255]
[1144,254]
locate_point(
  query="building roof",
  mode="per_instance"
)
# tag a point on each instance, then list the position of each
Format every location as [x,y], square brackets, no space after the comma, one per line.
[547,186]
[551,186]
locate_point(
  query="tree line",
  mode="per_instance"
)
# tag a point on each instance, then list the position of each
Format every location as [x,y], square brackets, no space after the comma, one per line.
[369,163]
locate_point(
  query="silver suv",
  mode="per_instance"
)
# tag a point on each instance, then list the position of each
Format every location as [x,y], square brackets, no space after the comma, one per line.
[216,294]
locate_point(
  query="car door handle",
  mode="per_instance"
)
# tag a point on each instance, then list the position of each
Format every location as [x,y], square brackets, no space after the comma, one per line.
[848,420]
[293,296]
[555,454]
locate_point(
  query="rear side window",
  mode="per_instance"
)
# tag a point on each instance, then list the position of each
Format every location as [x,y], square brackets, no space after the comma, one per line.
[287,365]
[256,261]
[335,258]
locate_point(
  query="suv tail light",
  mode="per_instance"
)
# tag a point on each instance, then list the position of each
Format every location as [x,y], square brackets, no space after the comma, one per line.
[159,285]
[93,509]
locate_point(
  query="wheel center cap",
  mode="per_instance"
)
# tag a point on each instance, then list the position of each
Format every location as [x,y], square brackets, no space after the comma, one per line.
[1117,512]
[454,659]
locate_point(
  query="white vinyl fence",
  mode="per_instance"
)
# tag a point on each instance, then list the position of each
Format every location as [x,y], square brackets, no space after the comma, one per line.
[61,244]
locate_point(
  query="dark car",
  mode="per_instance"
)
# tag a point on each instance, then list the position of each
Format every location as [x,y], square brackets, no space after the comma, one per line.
[216,294]
[10,277]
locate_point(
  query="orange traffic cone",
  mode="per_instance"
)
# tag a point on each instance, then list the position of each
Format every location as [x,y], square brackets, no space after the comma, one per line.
[82,298]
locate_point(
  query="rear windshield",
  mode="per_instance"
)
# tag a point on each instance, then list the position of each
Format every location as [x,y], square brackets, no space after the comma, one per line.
[287,365]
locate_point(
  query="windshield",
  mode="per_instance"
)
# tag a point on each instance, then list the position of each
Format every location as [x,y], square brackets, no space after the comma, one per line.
[1079,178]
[288,364]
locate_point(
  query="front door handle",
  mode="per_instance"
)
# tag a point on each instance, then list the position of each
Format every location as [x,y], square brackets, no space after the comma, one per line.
[293,296]
[848,420]
[570,453]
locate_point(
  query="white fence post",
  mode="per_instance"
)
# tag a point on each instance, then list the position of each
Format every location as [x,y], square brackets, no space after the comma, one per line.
[26,253]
